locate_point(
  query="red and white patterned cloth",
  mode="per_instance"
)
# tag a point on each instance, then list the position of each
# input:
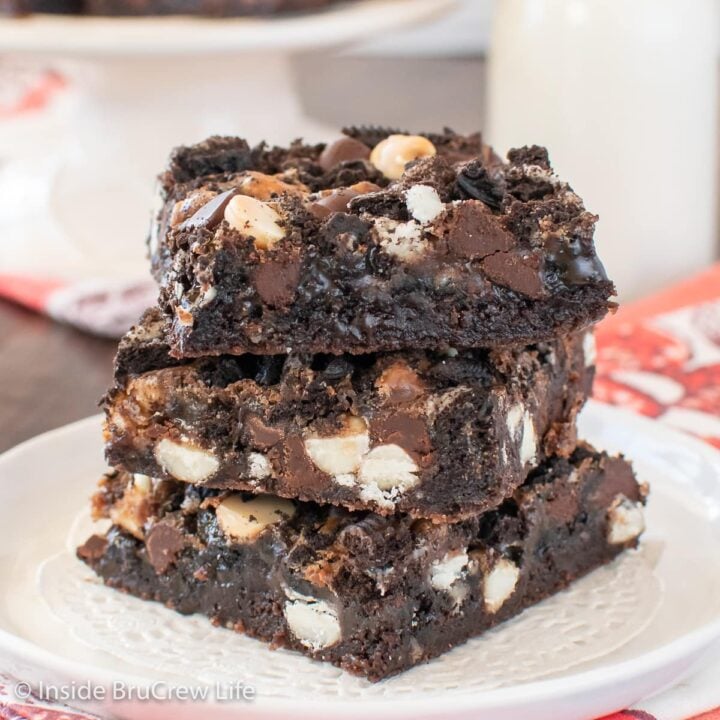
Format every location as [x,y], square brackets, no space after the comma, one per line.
[661,357]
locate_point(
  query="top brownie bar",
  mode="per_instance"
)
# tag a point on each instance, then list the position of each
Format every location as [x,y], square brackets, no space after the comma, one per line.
[376,242]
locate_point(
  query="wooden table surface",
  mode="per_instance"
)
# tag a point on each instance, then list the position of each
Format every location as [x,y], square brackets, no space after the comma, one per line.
[50,374]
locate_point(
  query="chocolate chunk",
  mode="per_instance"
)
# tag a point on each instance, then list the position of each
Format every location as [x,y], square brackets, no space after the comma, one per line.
[276,281]
[211,214]
[164,542]
[93,548]
[474,232]
[575,265]
[563,507]
[346,149]
[402,429]
[621,481]
[473,181]
[261,436]
[521,273]
[339,199]
[299,471]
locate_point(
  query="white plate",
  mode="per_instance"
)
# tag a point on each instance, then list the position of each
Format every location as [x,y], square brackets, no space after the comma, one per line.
[99,36]
[619,635]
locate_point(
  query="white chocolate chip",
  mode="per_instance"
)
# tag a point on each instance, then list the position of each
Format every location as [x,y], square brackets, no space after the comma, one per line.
[389,468]
[339,454]
[243,520]
[446,572]
[258,466]
[186,461]
[423,203]
[401,240]
[589,348]
[522,429]
[313,622]
[142,482]
[626,521]
[499,584]
[256,219]
[391,155]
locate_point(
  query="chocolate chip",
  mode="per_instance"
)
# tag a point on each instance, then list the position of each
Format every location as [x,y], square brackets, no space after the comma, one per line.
[402,429]
[345,149]
[338,200]
[521,273]
[298,471]
[575,264]
[474,232]
[261,436]
[93,549]
[276,281]
[163,543]
[563,507]
[211,214]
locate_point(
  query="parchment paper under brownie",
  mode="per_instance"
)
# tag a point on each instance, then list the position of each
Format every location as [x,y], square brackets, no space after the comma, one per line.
[380,241]
[372,595]
[436,435]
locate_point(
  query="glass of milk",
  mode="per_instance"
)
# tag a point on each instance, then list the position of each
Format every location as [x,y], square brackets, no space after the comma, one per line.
[624,95]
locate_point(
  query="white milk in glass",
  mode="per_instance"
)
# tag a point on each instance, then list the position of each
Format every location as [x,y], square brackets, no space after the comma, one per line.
[623,93]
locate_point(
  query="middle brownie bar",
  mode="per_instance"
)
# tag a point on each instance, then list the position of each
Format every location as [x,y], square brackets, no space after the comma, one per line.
[442,436]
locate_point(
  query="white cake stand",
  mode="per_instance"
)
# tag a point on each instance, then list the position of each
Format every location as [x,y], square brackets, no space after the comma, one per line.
[139,87]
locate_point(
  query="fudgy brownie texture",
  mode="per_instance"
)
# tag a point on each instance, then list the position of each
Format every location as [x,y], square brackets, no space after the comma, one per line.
[377,242]
[440,435]
[374,595]
[208,8]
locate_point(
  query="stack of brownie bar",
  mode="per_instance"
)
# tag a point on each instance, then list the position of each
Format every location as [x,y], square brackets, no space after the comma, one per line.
[349,427]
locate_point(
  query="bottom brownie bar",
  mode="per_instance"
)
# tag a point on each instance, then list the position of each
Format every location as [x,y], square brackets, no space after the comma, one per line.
[374,595]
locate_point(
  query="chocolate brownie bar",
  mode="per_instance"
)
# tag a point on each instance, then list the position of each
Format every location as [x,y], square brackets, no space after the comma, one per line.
[377,242]
[373,595]
[440,435]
